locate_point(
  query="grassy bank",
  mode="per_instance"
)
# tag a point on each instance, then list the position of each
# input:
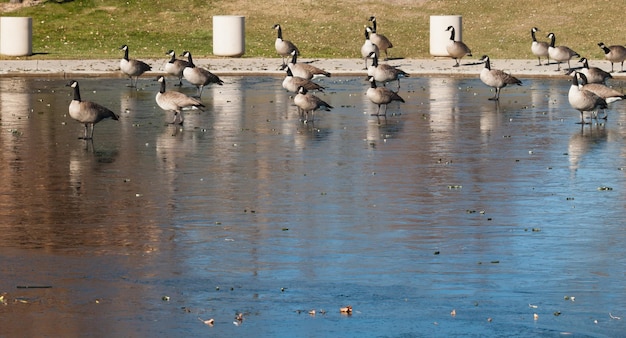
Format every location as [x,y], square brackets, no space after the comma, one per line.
[330,29]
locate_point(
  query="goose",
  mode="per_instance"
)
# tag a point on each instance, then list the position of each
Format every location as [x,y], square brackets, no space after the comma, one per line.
[594,74]
[87,112]
[175,101]
[583,100]
[539,48]
[381,41]
[614,54]
[176,66]
[368,47]
[198,76]
[496,78]
[560,53]
[385,73]
[132,67]
[607,93]
[293,83]
[456,49]
[309,103]
[381,96]
[283,47]
[304,70]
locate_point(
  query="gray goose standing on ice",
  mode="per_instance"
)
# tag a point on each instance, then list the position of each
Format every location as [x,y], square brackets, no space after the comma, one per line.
[198,76]
[309,103]
[496,78]
[539,48]
[175,101]
[381,96]
[131,67]
[87,112]
[584,100]
[304,70]
[283,47]
[293,83]
[594,74]
[456,49]
[381,41]
[385,73]
[615,54]
[608,94]
[176,67]
[560,53]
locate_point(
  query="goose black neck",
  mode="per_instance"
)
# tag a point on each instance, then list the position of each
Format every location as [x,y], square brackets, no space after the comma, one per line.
[374,25]
[126,54]
[586,64]
[552,40]
[294,58]
[372,83]
[532,33]
[76,93]
[190,60]
[606,49]
[488,64]
[375,61]
[289,72]
[173,58]
[162,90]
[575,80]
[280,33]
[367,35]
[452,33]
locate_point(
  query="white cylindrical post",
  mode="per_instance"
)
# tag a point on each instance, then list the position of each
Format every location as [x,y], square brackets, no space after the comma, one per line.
[16,36]
[438,35]
[229,35]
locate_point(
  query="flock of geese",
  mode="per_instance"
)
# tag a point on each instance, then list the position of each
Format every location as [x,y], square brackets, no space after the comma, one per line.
[588,92]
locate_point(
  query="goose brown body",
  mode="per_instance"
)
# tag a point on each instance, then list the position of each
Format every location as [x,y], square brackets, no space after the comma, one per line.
[86,112]
[308,103]
[583,100]
[560,53]
[175,101]
[283,47]
[381,96]
[132,67]
[304,70]
[496,78]
[456,49]
[382,42]
[615,54]
[539,48]
[198,76]
[176,67]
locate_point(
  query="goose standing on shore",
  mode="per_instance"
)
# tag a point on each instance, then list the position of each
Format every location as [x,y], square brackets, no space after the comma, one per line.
[309,103]
[381,96]
[385,73]
[368,47]
[560,53]
[175,101]
[283,47]
[496,78]
[584,100]
[87,112]
[176,67]
[539,48]
[198,76]
[456,49]
[615,54]
[304,70]
[381,41]
[132,68]
[594,74]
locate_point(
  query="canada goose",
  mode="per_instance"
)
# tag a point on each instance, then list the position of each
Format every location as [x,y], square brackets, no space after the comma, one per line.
[368,47]
[583,100]
[456,49]
[607,93]
[304,70]
[176,67]
[87,112]
[283,47]
[293,83]
[594,74]
[539,48]
[381,41]
[309,103]
[496,78]
[560,53]
[175,101]
[198,76]
[614,54]
[132,67]
[385,73]
[381,96]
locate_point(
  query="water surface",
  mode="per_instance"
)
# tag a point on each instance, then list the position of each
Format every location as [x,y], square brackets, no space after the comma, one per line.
[497,211]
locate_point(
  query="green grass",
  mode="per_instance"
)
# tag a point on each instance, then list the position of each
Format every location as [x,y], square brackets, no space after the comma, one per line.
[325,29]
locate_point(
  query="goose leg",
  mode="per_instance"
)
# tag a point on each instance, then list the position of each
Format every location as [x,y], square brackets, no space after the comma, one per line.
[539,60]
[457,63]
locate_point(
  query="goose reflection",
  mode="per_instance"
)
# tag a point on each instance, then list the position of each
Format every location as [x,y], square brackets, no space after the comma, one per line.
[585,141]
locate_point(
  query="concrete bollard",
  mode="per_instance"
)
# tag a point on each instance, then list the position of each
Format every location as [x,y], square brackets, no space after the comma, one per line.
[229,35]
[438,35]
[16,36]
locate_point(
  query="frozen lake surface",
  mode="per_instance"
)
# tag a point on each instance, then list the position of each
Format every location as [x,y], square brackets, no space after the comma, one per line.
[456,217]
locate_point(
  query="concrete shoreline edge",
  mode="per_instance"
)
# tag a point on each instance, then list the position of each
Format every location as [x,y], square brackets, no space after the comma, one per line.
[523,68]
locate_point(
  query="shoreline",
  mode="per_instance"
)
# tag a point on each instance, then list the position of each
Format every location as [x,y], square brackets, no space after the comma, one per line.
[439,66]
